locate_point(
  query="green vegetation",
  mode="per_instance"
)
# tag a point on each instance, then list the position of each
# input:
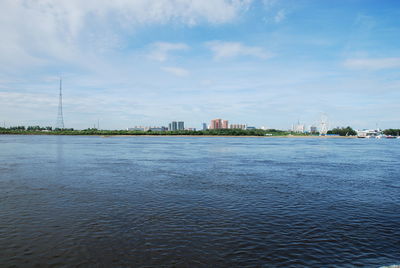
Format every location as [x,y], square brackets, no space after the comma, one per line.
[37,130]
[93,131]
[344,131]
[17,128]
[392,132]
[29,128]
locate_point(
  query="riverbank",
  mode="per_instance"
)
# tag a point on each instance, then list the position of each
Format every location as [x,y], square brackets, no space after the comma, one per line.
[199,136]
[230,136]
[269,133]
[166,135]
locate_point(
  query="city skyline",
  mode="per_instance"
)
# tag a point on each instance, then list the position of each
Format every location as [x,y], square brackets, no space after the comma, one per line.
[258,62]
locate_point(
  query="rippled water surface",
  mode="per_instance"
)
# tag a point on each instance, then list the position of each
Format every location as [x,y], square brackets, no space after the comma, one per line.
[198,202]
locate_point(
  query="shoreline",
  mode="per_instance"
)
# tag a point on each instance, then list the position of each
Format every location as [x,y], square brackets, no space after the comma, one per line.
[206,136]
[229,136]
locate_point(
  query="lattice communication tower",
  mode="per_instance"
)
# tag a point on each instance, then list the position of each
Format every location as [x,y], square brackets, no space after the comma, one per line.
[60,118]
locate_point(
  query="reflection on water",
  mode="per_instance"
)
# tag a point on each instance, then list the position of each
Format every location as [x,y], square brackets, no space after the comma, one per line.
[60,152]
[152,201]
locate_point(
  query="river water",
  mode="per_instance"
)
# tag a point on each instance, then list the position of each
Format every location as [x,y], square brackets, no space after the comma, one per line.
[198,202]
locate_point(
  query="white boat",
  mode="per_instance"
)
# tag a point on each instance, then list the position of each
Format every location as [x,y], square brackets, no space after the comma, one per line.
[368,133]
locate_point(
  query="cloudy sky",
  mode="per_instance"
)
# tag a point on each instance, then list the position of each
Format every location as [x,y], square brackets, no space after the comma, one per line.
[148,62]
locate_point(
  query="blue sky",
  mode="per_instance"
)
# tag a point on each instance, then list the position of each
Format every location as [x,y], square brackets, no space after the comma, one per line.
[148,62]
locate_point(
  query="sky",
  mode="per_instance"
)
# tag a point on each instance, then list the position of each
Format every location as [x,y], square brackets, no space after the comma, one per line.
[270,63]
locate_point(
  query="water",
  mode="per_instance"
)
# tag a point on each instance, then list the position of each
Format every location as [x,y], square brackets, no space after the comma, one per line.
[198,202]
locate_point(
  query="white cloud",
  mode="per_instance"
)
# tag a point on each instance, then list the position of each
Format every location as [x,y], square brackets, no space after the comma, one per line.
[41,31]
[275,11]
[223,50]
[373,64]
[176,71]
[160,50]
[280,16]
[269,3]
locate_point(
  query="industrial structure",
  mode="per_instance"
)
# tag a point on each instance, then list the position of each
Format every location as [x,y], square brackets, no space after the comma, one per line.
[60,117]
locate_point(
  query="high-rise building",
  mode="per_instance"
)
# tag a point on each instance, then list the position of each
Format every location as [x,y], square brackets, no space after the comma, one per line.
[204,126]
[215,124]
[181,125]
[225,124]
[219,124]
[174,126]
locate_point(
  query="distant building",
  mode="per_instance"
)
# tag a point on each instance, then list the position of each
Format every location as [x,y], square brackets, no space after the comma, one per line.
[137,128]
[147,128]
[204,126]
[215,124]
[237,126]
[156,129]
[225,124]
[173,126]
[219,124]
[181,125]
[313,129]
[299,128]
[250,128]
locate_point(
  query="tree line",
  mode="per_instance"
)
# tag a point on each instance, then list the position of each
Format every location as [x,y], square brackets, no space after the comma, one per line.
[342,131]
[28,128]
[94,131]
[392,131]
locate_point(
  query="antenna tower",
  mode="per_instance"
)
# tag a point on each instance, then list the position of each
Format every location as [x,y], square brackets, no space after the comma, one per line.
[60,118]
